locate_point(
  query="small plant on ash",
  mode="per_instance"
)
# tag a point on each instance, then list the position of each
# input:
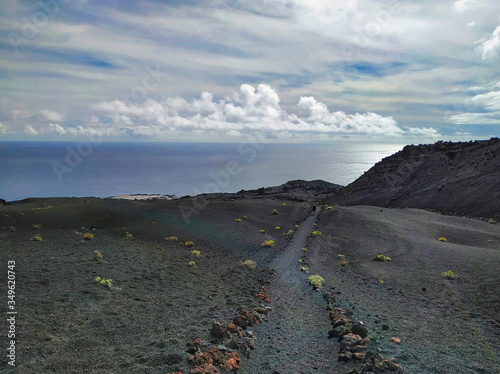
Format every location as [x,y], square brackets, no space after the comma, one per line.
[342,260]
[251,264]
[191,263]
[315,234]
[316,281]
[492,221]
[443,239]
[305,269]
[274,212]
[381,258]
[449,275]
[37,226]
[88,236]
[189,244]
[196,253]
[268,244]
[104,282]
[304,249]
[97,255]
[262,231]
[238,220]
[277,227]
[37,238]
[172,239]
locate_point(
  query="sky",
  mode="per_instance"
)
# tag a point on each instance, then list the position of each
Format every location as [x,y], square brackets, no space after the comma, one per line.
[285,70]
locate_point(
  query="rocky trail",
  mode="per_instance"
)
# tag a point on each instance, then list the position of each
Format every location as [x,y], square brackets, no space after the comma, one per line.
[295,339]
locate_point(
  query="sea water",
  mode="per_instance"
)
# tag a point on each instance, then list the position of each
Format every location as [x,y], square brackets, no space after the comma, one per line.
[56,169]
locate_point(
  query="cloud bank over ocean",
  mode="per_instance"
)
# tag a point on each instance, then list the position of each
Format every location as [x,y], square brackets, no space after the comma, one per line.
[300,69]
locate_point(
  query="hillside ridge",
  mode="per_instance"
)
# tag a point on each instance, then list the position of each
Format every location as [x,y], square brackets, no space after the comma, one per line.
[460,178]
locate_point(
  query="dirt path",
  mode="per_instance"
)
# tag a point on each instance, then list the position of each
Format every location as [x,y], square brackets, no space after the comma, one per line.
[295,339]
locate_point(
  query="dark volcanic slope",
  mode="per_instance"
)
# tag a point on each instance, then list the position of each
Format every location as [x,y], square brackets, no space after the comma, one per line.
[459,178]
[295,190]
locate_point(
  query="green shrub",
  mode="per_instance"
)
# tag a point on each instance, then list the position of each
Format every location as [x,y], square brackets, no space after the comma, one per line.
[171,238]
[315,234]
[274,212]
[238,220]
[262,231]
[449,275]
[105,282]
[305,269]
[443,239]
[317,281]
[189,244]
[191,263]
[381,258]
[248,263]
[304,249]
[37,238]
[88,236]
[196,253]
[268,244]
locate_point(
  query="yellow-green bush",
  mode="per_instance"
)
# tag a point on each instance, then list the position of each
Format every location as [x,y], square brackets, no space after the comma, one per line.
[315,234]
[268,244]
[196,253]
[381,258]
[443,239]
[172,239]
[251,264]
[104,282]
[449,275]
[37,238]
[88,236]
[189,244]
[316,280]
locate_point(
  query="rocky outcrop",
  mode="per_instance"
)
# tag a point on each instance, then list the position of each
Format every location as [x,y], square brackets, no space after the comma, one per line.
[453,178]
[296,190]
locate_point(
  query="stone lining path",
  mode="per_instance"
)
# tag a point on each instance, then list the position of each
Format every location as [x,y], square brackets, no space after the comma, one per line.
[295,339]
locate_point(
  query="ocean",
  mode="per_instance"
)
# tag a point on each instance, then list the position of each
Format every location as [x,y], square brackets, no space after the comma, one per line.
[56,169]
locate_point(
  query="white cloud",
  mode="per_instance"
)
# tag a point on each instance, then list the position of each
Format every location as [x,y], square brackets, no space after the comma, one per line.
[4,129]
[426,132]
[250,109]
[490,47]
[30,130]
[55,127]
[51,116]
[462,5]
[489,103]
